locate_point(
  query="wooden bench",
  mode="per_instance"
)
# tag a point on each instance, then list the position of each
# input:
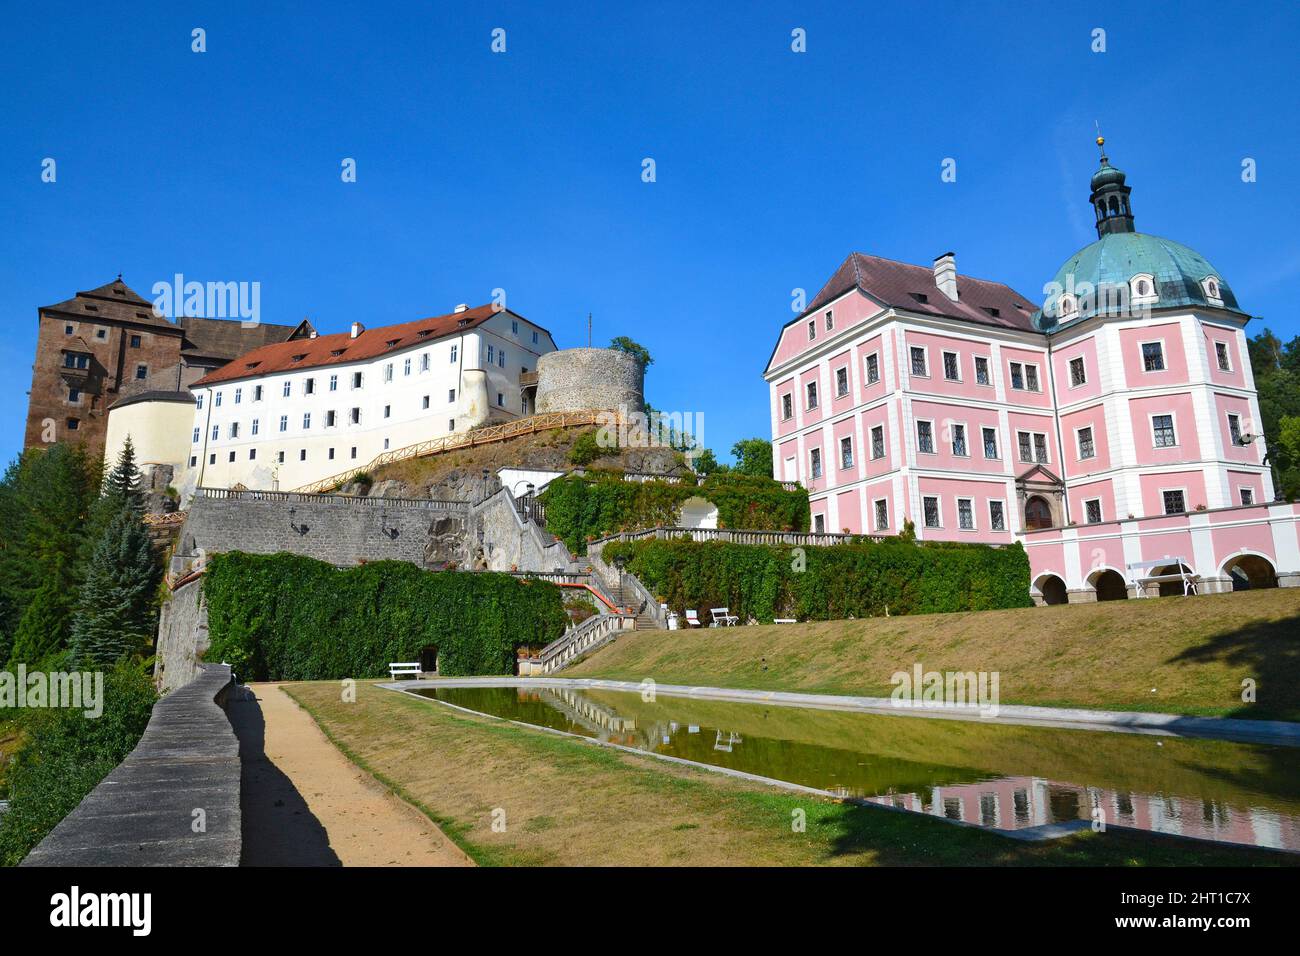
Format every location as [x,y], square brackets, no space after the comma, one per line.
[1186,578]
[722,617]
[411,668]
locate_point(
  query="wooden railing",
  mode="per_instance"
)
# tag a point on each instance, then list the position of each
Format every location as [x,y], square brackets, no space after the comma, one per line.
[482,435]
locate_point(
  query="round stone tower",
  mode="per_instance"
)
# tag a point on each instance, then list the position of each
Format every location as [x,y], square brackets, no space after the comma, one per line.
[572,380]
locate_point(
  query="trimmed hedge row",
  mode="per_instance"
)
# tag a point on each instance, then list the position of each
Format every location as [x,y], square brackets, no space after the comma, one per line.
[826,583]
[582,507]
[289,617]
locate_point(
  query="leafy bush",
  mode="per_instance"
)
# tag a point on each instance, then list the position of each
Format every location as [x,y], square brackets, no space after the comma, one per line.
[849,580]
[587,449]
[288,617]
[67,754]
[580,507]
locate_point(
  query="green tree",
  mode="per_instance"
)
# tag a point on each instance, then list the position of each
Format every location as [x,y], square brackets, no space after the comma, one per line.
[706,463]
[753,457]
[1277,379]
[624,344]
[115,609]
[122,485]
[43,629]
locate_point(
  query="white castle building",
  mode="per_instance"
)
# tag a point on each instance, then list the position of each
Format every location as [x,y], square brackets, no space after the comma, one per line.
[288,414]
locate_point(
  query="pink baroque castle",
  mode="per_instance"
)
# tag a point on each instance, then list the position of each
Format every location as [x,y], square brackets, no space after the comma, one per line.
[1113,431]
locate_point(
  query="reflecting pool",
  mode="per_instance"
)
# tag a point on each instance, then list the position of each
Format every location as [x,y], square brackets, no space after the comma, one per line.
[989,774]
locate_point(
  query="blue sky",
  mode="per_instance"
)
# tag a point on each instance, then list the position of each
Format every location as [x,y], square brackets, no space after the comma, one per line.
[522,170]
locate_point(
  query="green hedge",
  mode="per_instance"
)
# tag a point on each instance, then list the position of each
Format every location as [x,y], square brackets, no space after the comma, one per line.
[67,754]
[288,617]
[582,507]
[841,581]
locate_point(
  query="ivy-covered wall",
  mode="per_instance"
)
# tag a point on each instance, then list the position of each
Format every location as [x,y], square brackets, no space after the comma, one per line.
[288,617]
[827,583]
[580,508]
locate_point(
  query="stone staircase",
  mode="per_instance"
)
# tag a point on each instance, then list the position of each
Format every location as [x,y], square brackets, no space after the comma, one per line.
[625,596]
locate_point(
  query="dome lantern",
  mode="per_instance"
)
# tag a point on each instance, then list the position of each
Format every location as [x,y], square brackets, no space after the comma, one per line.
[1110,197]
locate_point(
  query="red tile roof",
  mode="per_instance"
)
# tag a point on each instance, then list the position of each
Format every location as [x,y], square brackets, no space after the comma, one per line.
[320,351]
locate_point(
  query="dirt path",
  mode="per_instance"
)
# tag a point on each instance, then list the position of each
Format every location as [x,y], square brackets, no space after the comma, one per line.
[306,804]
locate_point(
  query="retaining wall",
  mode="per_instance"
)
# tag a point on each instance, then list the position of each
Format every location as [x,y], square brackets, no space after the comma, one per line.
[144,812]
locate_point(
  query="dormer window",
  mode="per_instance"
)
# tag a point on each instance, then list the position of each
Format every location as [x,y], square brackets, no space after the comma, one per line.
[1212,291]
[1142,288]
[1066,305]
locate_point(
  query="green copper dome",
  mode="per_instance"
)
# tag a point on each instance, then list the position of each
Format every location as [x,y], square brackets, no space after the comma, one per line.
[1179,275]
[1106,176]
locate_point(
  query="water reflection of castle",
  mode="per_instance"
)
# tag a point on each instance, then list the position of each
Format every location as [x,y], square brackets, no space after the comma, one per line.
[1008,803]
[1013,803]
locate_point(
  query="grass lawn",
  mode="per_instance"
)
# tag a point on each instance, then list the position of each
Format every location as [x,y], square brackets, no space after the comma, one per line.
[566,802]
[1177,655]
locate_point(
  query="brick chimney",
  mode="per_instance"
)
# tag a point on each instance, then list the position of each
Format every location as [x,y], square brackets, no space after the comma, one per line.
[945,274]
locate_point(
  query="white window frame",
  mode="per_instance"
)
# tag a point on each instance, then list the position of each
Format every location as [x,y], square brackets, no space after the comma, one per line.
[812,330]
[843,440]
[884,442]
[1078,442]
[1033,459]
[848,383]
[1173,425]
[993,523]
[988,371]
[970,503]
[816,468]
[1011,376]
[1164,363]
[1226,356]
[866,368]
[1038,382]
[787,415]
[938,512]
[1142,298]
[814,394]
[1101,515]
[956,361]
[830,320]
[1242,492]
[925,361]
[997,444]
[1183,492]
[965,439]
[1229,416]
[1083,365]
[875,514]
[919,449]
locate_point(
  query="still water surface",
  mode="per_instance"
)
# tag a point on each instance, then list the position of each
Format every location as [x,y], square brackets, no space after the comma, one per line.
[988,774]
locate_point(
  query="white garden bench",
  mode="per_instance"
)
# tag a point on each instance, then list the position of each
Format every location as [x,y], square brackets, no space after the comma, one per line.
[408,669]
[722,617]
[693,619]
[1186,578]
[784,620]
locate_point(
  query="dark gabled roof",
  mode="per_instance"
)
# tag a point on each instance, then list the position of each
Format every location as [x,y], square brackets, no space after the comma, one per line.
[226,338]
[341,349]
[114,301]
[901,285]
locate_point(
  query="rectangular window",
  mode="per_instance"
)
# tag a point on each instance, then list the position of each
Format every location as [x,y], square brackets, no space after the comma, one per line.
[334,383]
[198,402]
[815,462]
[990,442]
[302,454]
[234,429]
[882,514]
[501,400]
[309,386]
[501,359]
[1040,448]
[356,379]
[997,517]
[255,426]
[1234,428]
[330,419]
[239,395]
[873,368]
[830,321]
[135,341]
[252,454]
[846,452]
[491,354]
[331,454]
[288,387]
[918,361]
[216,402]
[925,437]
[1078,375]
[787,406]
[196,436]
[280,458]
[67,330]
[426,402]
[354,451]
[950,371]
[1086,447]
[194,460]
[74,395]
[1153,356]
[1174,503]
[959,440]
[454,351]
[1092,511]
[981,370]
[1247,496]
[284,423]
[388,410]
[812,395]
[812,331]
[1017,376]
[514,327]
[965,515]
[355,416]
[1026,451]
[306,419]
[388,368]
[841,382]
[406,367]
[451,394]
[878,441]
[1162,429]
[1221,353]
[424,362]
[141,372]
[1031,377]
[451,424]
[232,457]
[819,524]
[216,432]
[257,393]
[534,336]
[930,505]
[212,459]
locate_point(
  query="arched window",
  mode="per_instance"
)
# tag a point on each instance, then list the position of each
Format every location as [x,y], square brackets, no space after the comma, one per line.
[1066,306]
[1114,206]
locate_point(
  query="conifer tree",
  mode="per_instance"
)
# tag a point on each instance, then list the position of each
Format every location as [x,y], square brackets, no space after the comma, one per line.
[44,627]
[115,609]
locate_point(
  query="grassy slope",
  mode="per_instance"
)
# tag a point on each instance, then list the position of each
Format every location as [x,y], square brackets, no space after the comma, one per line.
[571,803]
[1194,653]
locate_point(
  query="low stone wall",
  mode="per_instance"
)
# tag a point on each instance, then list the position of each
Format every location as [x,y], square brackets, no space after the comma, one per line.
[184,769]
[510,542]
[333,528]
[182,636]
